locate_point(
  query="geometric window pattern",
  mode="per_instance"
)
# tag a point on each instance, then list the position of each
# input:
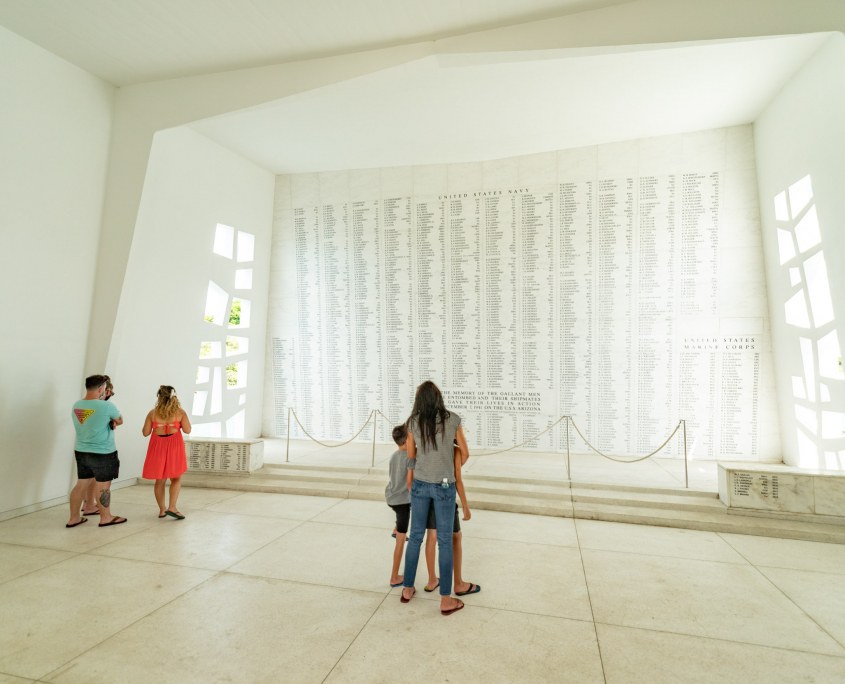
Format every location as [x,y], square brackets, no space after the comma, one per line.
[219,406]
[809,309]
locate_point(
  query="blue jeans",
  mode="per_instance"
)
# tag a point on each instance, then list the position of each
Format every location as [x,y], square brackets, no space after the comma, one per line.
[424,495]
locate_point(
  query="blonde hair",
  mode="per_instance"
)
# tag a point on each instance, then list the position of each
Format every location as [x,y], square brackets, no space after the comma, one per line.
[167,403]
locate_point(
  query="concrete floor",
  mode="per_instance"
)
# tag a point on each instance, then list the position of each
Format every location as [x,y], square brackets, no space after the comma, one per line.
[255,587]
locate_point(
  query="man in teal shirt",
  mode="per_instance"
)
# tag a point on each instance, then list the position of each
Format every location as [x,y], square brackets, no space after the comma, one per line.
[96,456]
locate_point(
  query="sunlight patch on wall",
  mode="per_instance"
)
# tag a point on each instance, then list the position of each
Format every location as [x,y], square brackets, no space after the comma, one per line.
[243,279]
[786,246]
[223,240]
[807,231]
[215,303]
[829,356]
[795,311]
[818,289]
[809,308]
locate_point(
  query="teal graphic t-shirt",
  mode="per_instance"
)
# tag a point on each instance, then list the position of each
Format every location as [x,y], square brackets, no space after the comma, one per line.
[91,418]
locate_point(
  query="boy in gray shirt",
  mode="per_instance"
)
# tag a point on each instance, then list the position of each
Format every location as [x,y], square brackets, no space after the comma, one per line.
[398,497]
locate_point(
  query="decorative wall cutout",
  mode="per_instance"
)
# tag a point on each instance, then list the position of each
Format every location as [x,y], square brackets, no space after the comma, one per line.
[820,433]
[218,409]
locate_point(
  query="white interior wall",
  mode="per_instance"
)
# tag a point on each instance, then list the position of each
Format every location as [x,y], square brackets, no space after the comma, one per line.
[801,134]
[56,121]
[192,184]
[142,110]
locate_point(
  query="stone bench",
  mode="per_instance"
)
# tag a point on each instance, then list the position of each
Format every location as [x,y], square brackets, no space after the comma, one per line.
[782,489]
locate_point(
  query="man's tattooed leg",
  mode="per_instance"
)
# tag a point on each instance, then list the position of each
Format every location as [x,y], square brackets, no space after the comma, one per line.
[105,498]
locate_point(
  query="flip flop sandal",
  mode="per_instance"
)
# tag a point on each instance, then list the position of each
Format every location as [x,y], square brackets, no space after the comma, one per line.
[449,611]
[114,521]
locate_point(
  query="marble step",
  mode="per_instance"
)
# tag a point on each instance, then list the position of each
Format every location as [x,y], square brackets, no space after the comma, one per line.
[314,487]
[715,522]
[478,487]
[378,477]
[704,502]
[593,501]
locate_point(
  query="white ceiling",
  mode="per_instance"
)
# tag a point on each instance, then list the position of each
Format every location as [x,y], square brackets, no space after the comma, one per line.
[450,108]
[134,41]
[478,107]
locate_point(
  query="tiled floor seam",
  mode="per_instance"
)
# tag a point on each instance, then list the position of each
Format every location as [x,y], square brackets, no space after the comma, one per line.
[263,546]
[466,535]
[165,564]
[810,570]
[589,599]
[680,558]
[73,554]
[790,599]
[48,677]
[355,638]
[726,641]
[234,573]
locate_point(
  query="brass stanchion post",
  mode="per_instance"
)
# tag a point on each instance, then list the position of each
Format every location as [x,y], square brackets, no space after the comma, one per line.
[686,466]
[374,415]
[568,471]
[287,448]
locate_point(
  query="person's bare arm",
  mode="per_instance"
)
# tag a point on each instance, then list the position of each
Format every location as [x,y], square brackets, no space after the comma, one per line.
[412,446]
[148,425]
[459,486]
[462,444]
[186,423]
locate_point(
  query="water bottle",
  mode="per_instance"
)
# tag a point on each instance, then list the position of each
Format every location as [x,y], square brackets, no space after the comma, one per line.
[445,483]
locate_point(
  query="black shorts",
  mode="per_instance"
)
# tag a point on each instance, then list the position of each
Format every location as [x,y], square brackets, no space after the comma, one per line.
[403,517]
[102,467]
[432,521]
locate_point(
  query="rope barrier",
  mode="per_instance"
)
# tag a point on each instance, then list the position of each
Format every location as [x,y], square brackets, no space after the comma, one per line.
[514,447]
[389,420]
[517,446]
[331,446]
[378,412]
[622,460]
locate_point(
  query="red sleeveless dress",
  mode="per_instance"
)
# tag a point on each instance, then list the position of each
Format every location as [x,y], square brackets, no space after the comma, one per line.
[165,453]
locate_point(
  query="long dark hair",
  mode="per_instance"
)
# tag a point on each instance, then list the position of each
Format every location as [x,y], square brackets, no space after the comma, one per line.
[429,411]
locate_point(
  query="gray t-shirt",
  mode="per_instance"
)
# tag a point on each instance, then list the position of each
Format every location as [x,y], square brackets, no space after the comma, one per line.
[396,492]
[432,465]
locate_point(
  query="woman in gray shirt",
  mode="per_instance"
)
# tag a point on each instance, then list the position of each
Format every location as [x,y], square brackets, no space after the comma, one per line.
[432,431]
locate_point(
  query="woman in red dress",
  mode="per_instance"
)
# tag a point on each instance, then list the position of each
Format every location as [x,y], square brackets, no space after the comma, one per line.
[166,452]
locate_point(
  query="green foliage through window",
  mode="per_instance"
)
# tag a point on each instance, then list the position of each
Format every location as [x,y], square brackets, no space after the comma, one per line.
[235,313]
[232,375]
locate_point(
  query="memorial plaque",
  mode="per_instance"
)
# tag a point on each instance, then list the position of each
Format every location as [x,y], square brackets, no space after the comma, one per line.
[782,489]
[224,455]
[787,493]
[606,293]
